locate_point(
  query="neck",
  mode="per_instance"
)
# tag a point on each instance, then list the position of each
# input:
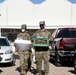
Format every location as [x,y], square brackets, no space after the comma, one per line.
[42,29]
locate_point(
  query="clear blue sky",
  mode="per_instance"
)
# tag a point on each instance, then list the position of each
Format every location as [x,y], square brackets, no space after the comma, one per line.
[72,1]
[37,1]
[2,1]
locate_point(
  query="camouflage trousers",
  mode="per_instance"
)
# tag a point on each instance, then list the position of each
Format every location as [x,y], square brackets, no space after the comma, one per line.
[25,60]
[42,55]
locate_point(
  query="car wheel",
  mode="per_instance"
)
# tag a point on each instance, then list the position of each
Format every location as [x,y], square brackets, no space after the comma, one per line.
[57,58]
[75,65]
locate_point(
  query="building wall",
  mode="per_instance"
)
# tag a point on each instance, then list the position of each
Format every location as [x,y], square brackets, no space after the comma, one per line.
[56,13]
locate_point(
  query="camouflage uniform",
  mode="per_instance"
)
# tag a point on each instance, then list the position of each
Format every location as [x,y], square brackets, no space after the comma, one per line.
[25,55]
[43,54]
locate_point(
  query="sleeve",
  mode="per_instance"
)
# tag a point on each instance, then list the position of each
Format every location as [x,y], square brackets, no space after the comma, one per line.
[49,36]
[18,36]
[34,35]
[29,37]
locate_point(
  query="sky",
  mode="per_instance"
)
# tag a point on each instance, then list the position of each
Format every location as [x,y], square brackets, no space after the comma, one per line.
[2,1]
[72,1]
[37,1]
[33,1]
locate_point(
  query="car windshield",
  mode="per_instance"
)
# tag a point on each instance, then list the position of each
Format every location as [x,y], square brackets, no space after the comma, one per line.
[4,42]
[67,33]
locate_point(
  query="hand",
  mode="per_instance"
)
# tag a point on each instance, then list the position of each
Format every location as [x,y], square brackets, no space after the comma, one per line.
[50,47]
[33,50]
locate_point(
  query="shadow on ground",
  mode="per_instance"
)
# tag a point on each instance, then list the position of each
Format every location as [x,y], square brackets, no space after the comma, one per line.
[33,70]
[64,64]
[1,71]
[72,71]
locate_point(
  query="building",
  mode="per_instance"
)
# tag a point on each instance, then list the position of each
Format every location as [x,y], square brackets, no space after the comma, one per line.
[56,13]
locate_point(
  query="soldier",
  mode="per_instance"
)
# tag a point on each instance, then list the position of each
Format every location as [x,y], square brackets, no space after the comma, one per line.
[25,56]
[42,53]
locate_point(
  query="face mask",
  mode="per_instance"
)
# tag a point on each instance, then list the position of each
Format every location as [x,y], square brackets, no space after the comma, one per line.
[23,30]
[41,26]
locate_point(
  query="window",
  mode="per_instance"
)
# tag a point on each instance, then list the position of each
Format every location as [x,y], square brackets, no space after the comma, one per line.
[67,33]
[4,42]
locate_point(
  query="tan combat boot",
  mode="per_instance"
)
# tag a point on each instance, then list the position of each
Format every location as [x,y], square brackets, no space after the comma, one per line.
[38,74]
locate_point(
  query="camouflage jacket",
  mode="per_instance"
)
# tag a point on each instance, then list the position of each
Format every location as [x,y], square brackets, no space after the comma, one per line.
[42,33]
[24,36]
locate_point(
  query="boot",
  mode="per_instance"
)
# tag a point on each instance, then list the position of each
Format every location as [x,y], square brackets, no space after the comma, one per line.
[38,74]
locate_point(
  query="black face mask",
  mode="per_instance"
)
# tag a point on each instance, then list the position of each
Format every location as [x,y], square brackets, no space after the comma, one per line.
[41,26]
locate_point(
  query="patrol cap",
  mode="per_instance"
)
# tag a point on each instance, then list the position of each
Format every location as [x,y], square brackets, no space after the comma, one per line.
[42,23]
[23,26]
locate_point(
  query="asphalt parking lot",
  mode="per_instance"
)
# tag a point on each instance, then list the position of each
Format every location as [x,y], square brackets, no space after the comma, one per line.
[66,69]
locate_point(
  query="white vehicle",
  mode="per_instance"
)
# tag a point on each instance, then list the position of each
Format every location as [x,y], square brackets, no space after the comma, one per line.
[6,52]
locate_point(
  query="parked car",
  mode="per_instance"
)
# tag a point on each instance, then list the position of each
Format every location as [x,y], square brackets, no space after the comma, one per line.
[6,52]
[63,44]
[75,63]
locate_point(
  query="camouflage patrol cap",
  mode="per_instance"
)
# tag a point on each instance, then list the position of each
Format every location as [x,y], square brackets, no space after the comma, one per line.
[23,26]
[42,22]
